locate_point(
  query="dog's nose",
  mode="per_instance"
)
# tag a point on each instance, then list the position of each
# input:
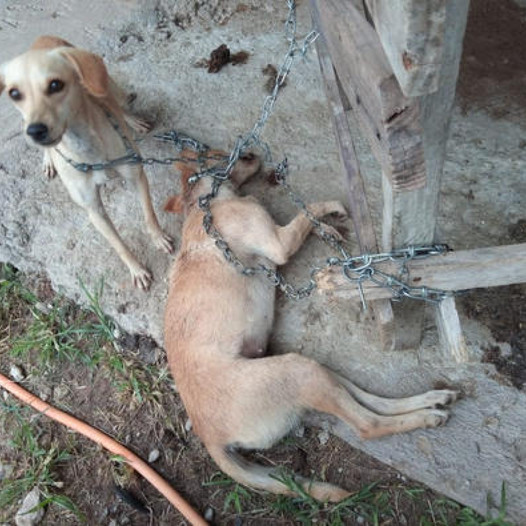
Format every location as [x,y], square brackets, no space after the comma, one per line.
[38,131]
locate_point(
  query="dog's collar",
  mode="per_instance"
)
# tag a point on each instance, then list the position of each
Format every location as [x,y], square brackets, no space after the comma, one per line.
[130,157]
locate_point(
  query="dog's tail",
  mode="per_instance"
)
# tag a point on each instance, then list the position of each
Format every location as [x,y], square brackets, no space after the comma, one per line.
[272,479]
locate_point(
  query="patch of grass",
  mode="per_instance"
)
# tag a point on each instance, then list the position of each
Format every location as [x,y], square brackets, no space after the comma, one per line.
[373,504]
[39,463]
[58,330]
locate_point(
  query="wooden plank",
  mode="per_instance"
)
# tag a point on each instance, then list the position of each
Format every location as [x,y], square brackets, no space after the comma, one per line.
[412,33]
[390,120]
[358,205]
[462,270]
[450,331]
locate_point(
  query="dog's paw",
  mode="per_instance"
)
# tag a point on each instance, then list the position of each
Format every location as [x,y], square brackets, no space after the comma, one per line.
[441,398]
[163,242]
[435,417]
[138,125]
[330,231]
[49,169]
[337,210]
[141,277]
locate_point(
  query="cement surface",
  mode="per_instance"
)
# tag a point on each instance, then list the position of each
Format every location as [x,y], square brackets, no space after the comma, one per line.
[41,230]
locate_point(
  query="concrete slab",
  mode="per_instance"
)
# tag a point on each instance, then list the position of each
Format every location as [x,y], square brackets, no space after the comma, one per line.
[152,51]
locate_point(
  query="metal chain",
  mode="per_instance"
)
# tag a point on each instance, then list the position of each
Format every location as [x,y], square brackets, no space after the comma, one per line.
[357,269]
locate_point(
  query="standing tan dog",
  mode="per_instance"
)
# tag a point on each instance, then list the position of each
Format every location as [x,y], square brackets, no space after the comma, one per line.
[217,324]
[66,98]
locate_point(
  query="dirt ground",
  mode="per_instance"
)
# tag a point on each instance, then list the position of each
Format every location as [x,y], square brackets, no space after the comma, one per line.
[119,383]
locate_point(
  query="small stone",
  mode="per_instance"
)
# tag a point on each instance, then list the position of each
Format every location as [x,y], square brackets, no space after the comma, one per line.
[124,521]
[60,392]
[45,392]
[154,455]
[22,517]
[6,470]
[42,307]
[323,435]
[16,373]
[299,432]
[208,514]
[188,425]
[360,520]
[113,522]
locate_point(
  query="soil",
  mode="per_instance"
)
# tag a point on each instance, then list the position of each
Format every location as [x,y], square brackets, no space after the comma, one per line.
[493,69]
[105,491]
[503,311]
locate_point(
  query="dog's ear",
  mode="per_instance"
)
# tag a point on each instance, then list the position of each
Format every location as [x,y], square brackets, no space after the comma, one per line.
[49,42]
[90,69]
[174,204]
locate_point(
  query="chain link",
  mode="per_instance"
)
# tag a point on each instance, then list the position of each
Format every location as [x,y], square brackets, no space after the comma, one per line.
[357,269]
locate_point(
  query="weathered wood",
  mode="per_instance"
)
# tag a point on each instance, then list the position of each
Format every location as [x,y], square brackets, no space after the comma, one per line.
[390,120]
[462,270]
[358,205]
[412,33]
[450,331]
[410,217]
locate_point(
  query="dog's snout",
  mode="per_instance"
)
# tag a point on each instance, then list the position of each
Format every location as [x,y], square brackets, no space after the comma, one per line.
[38,132]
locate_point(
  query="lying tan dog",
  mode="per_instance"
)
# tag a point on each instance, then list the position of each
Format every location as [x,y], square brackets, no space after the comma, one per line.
[66,96]
[217,323]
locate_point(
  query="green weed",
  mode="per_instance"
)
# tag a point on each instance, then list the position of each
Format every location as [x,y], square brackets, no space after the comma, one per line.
[39,464]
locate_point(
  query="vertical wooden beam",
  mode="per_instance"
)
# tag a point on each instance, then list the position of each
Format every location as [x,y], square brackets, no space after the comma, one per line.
[354,182]
[411,217]
[450,331]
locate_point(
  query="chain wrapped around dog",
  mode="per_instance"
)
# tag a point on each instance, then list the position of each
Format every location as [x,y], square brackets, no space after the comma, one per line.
[356,269]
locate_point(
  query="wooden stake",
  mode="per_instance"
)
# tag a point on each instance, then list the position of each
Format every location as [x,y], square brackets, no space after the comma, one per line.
[358,205]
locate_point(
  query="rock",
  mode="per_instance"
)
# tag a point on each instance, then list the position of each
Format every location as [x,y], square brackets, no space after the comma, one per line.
[16,373]
[154,455]
[323,435]
[42,307]
[22,517]
[208,514]
[6,470]
[299,432]
[46,393]
[188,425]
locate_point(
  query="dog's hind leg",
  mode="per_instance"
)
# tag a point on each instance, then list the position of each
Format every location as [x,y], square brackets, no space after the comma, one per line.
[399,406]
[323,392]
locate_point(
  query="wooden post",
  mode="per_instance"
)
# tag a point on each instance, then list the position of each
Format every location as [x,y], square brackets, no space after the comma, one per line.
[410,217]
[359,208]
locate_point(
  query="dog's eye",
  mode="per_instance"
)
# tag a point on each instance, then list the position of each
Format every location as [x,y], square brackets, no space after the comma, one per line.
[55,86]
[15,94]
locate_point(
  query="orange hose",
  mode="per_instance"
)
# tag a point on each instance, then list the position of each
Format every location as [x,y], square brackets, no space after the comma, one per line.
[107,442]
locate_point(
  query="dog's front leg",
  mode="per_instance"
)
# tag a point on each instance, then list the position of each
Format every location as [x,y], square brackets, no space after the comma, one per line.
[48,167]
[136,176]
[289,238]
[140,276]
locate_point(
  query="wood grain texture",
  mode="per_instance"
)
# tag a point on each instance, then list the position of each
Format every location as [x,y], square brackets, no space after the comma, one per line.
[357,200]
[390,120]
[462,270]
[412,33]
